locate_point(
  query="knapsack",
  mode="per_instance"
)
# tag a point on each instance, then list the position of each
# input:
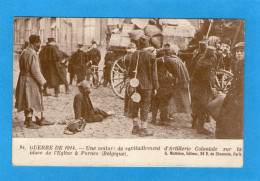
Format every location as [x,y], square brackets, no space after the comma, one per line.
[75,126]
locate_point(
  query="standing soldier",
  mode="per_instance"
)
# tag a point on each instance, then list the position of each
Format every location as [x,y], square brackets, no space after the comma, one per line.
[203,81]
[30,82]
[173,78]
[53,67]
[79,61]
[230,123]
[71,68]
[144,62]
[197,54]
[94,54]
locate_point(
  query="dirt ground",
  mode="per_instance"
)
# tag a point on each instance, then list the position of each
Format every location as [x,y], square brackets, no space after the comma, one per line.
[117,126]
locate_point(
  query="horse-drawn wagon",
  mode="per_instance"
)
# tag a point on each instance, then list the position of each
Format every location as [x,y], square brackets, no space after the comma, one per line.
[176,32]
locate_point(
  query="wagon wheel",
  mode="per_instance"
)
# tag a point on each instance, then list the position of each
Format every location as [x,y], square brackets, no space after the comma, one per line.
[118,78]
[223,80]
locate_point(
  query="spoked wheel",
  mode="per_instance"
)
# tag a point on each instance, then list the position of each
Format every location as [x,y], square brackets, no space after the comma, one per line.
[118,78]
[223,80]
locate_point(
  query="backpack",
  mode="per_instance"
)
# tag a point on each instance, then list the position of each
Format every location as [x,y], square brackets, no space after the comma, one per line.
[75,126]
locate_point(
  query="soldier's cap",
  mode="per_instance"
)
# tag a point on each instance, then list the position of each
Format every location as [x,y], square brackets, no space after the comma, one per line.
[131,45]
[240,45]
[93,42]
[83,84]
[51,40]
[166,45]
[80,45]
[211,48]
[34,39]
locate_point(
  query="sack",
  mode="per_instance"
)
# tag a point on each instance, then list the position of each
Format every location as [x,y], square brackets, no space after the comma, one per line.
[157,41]
[135,35]
[75,126]
[152,30]
[214,106]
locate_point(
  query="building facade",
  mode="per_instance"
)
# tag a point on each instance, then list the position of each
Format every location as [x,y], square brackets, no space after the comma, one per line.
[68,32]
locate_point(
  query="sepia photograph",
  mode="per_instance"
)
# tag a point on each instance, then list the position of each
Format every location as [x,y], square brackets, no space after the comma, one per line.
[128,78]
[129,90]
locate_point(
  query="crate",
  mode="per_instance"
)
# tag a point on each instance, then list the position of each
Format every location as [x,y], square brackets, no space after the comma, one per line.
[183,31]
[127,28]
[181,41]
[117,40]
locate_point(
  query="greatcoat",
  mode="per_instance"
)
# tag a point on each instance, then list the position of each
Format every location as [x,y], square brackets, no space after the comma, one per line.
[53,70]
[30,79]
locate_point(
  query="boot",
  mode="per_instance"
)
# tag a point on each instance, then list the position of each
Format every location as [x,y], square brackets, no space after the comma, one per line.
[67,90]
[200,127]
[202,130]
[45,93]
[143,132]
[43,121]
[26,121]
[135,130]
[105,83]
[153,121]
[31,125]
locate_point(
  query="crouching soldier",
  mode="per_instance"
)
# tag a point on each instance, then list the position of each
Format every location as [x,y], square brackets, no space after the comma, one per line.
[83,107]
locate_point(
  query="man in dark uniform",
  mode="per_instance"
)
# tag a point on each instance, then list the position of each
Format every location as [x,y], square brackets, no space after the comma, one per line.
[173,78]
[230,124]
[52,61]
[148,81]
[79,60]
[71,68]
[197,54]
[94,54]
[30,82]
[204,81]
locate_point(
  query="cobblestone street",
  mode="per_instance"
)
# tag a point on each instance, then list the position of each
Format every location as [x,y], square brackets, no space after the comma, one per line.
[117,126]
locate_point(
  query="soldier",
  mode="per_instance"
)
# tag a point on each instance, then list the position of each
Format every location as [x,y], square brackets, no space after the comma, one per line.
[79,61]
[230,123]
[83,107]
[203,80]
[30,82]
[71,68]
[172,76]
[197,54]
[147,75]
[94,54]
[53,67]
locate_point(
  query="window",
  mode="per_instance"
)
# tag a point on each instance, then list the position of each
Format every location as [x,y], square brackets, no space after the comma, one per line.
[89,30]
[16,32]
[55,29]
[27,29]
[40,27]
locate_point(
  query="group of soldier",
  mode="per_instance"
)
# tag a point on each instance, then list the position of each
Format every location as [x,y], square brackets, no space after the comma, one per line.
[46,67]
[152,81]
[165,78]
